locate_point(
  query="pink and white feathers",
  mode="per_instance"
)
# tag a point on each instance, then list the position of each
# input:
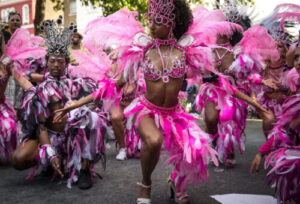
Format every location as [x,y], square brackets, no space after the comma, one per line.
[291,13]
[257,42]
[22,46]
[115,30]
[291,80]
[207,25]
[94,64]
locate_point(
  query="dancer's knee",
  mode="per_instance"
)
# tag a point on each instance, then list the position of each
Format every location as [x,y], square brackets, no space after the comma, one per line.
[153,141]
[269,119]
[19,160]
[117,117]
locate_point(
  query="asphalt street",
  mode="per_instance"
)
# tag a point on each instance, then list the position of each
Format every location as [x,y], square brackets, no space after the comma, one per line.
[118,185]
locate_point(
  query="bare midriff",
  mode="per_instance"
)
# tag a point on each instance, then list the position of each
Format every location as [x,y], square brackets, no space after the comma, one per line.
[160,93]
[57,127]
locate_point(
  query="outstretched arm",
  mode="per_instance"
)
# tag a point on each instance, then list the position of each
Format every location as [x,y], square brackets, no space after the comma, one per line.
[59,114]
[34,77]
[20,78]
[263,150]
[249,100]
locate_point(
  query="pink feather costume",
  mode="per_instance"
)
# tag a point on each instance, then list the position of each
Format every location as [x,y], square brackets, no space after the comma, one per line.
[8,120]
[275,73]
[232,114]
[84,131]
[188,146]
[243,73]
[283,148]
[113,34]
[20,44]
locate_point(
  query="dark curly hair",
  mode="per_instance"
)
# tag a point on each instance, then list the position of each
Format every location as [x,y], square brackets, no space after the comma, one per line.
[236,37]
[184,18]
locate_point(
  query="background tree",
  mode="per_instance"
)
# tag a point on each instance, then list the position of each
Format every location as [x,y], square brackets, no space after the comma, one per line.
[39,15]
[108,6]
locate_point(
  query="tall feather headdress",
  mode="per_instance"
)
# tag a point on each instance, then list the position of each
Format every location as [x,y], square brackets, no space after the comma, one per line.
[57,37]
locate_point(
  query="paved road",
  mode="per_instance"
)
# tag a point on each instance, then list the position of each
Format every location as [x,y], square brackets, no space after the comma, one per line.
[119,181]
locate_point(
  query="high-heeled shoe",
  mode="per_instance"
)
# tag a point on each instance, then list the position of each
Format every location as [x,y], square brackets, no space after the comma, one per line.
[143,200]
[181,198]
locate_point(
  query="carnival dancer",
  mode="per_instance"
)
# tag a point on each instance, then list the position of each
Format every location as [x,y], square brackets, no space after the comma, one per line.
[8,121]
[76,142]
[130,91]
[282,146]
[224,113]
[156,116]
[272,99]
[10,67]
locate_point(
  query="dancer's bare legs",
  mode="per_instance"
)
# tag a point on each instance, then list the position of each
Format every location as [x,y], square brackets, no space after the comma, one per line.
[118,125]
[153,140]
[24,156]
[117,119]
[211,118]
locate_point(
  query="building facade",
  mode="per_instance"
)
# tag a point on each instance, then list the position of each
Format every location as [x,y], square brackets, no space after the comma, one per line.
[80,14]
[24,7]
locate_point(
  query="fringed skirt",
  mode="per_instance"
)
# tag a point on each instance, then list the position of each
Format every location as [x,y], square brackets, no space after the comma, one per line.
[8,130]
[83,138]
[285,173]
[232,118]
[188,146]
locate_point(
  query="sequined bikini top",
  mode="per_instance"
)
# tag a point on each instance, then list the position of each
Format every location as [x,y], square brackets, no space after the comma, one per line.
[177,70]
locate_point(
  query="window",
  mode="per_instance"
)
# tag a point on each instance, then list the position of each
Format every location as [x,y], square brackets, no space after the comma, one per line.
[25,12]
[4,15]
[72,8]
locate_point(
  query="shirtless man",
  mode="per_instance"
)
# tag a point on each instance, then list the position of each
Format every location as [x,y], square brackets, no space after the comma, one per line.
[74,141]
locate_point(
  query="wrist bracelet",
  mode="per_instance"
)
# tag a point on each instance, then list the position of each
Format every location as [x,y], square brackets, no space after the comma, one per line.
[48,152]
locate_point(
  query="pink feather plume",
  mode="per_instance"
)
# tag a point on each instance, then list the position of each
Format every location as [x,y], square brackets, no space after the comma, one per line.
[257,41]
[115,30]
[95,66]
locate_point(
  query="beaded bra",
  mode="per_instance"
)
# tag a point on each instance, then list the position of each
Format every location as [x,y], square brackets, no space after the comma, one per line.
[177,70]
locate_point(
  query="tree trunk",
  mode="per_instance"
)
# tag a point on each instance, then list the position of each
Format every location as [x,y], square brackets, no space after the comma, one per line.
[217,4]
[39,15]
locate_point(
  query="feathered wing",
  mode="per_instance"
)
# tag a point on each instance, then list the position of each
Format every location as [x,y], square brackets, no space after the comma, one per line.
[22,46]
[208,24]
[130,57]
[285,173]
[291,80]
[115,30]
[288,16]
[290,7]
[93,65]
[259,44]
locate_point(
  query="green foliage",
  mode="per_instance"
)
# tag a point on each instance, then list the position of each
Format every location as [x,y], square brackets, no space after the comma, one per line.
[111,6]
[59,5]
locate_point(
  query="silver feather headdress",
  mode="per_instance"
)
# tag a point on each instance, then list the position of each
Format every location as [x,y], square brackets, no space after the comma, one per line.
[57,37]
[284,16]
[275,31]
[237,12]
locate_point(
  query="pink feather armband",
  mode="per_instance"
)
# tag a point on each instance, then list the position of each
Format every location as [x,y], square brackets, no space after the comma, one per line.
[255,78]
